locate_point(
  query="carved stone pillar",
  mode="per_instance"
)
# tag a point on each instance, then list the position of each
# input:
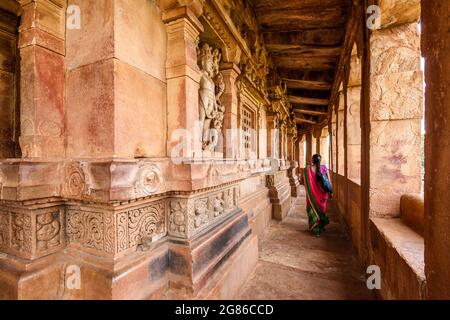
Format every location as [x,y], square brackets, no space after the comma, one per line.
[293,164]
[183,76]
[436,46]
[42,50]
[273,136]
[230,72]
[309,147]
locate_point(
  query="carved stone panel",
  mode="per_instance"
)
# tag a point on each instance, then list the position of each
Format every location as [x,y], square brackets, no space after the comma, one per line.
[110,233]
[149,180]
[92,230]
[32,234]
[134,225]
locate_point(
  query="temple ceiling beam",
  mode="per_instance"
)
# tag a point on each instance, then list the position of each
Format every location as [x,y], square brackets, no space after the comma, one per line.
[310,101]
[307,84]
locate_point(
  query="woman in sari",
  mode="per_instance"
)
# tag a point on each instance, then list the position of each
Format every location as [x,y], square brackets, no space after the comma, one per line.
[316,196]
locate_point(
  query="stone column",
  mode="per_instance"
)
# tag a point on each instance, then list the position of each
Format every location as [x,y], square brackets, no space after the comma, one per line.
[293,164]
[300,154]
[42,50]
[396,104]
[341,135]
[9,24]
[353,120]
[333,142]
[291,137]
[313,144]
[309,151]
[324,147]
[183,76]
[230,72]
[436,46]
[273,136]
[116,89]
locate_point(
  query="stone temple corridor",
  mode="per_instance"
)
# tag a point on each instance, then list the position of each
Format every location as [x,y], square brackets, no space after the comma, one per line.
[295,265]
[157,149]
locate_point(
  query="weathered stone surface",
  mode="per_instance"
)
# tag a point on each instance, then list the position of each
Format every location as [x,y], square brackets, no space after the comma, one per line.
[42,110]
[412,211]
[90,92]
[395,154]
[355,71]
[397,96]
[82,50]
[139,119]
[397,12]
[140,22]
[399,252]
[395,50]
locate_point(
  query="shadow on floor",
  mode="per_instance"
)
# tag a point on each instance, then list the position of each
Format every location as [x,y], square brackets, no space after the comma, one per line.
[294,264]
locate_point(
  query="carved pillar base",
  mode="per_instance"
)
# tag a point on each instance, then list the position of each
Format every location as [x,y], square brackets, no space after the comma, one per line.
[279,193]
[178,244]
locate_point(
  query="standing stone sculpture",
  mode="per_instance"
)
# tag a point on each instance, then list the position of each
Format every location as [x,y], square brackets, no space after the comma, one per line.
[212,87]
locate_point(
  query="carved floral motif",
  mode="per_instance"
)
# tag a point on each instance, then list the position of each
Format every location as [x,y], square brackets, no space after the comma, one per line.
[75,180]
[177,218]
[149,180]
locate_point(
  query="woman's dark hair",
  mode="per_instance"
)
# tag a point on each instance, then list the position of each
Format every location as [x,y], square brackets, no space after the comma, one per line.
[317,158]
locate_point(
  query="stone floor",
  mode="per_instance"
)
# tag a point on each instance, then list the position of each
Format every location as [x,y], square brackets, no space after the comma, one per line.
[293,264]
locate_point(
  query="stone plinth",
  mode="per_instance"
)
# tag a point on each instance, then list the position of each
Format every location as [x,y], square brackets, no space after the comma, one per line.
[279,193]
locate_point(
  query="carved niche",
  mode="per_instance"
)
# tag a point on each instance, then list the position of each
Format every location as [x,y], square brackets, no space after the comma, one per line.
[212,87]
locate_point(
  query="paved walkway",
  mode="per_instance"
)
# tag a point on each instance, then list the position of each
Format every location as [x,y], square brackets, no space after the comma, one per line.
[293,264]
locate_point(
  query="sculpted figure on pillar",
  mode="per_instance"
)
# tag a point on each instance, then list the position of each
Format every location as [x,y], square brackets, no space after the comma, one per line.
[212,86]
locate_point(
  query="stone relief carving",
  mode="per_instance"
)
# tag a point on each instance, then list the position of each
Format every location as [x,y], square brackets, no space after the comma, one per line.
[76,183]
[149,180]
[146,222]
[33,234]
[213,174]
[115,234]
[177,218]
[211,89]
[219,204]
[4,229]
[87,229]
[201,211]
[2,182]
[48,229]
[21,233]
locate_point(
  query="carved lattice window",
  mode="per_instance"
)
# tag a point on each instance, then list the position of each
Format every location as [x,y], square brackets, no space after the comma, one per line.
[248,129]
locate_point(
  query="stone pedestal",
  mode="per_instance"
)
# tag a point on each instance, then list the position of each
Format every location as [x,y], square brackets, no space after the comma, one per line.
[279,193]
